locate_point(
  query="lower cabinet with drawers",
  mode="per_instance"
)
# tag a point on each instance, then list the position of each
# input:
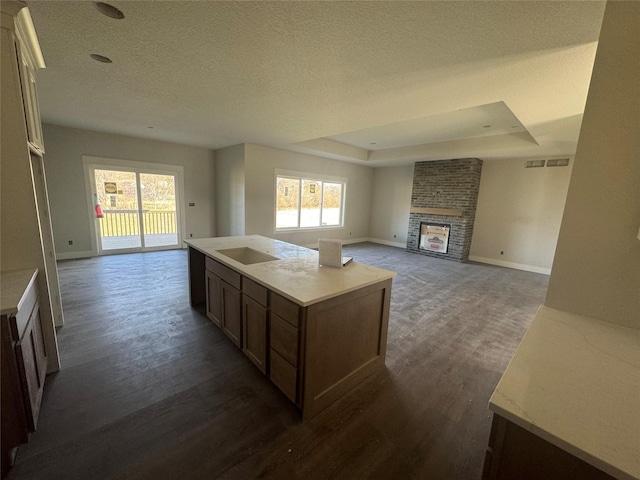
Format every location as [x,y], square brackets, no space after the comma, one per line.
[284,339]
[314,354]
[24,366]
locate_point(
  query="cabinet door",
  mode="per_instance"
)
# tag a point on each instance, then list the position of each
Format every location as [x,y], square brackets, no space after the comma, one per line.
[254,324]
[30,100]
[13,427]
[32,362]
[213,298]
[231,312]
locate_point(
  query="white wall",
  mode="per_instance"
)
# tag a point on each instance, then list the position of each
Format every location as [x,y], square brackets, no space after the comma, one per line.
[391,200]
[523,207]
[65,180]
[596,271]
[230,188]
[260,162]
[519,213]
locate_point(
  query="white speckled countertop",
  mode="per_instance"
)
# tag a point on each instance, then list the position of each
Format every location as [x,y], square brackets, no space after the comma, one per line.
[575,382]
[13,286]
[296,275]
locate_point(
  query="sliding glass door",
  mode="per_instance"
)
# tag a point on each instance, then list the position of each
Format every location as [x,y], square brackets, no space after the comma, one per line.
[135,210]
[117,210]
[158,198]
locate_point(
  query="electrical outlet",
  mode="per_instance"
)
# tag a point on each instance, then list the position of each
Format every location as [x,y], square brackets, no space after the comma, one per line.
[191,235]
[394,236]
[192,204]
[501,252]
[70,242]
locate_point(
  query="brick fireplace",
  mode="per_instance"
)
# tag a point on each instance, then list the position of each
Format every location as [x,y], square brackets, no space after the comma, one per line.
[445,192]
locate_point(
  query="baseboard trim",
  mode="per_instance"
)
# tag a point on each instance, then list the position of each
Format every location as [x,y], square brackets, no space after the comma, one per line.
[75,255]
[517,266]
[354,240]
[387,242]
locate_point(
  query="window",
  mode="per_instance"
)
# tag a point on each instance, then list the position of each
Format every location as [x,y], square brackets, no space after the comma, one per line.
[308,202]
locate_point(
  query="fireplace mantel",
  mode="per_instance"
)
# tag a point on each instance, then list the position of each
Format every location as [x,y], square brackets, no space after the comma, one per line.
[437,211]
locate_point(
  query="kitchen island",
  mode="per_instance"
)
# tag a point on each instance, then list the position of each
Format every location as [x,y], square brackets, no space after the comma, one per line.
[315,331]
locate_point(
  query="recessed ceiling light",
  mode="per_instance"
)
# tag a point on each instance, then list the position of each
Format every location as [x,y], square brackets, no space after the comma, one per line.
[486,126]
[109,10]
[101,58]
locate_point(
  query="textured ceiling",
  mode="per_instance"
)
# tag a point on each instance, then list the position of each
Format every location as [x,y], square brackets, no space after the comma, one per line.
[314,76]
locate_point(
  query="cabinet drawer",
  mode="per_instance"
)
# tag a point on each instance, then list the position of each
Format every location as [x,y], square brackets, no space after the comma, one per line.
[285,309]
[283,375]
[284,339]
[22,317]
[254,290]
[225,273]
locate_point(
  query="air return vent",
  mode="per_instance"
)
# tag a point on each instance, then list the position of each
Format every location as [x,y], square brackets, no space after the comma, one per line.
[533,163]
[558,162]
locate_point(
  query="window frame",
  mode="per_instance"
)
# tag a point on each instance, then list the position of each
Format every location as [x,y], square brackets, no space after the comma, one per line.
[312,177]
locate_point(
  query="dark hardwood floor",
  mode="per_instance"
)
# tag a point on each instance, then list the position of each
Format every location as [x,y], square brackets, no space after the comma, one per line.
[151,389]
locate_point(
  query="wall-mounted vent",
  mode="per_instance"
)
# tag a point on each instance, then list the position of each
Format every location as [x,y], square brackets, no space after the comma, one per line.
[558,162]
[533,163]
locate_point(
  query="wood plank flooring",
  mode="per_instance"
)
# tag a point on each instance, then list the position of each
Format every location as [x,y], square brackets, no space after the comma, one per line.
[151,389]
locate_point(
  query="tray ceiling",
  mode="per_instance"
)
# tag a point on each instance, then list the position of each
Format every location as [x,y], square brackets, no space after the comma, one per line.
[418,79]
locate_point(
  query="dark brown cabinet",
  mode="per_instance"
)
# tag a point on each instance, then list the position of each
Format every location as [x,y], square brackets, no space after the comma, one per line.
[31,354]
[255,323]
[24,367]
[231,312]
[315,353]
[285,346]
[240,307]
[223,300]
[514,452]
[213,298]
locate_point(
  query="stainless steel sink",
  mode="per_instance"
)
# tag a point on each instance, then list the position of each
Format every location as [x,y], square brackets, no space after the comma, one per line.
[246,255]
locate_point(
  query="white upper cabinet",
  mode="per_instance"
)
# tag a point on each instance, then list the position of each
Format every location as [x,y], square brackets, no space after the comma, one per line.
[30,59]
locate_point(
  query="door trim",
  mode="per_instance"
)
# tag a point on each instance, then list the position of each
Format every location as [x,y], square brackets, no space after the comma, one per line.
[89,163]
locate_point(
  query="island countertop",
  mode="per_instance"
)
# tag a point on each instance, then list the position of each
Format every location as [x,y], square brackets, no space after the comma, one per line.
[296,274]
[575,382]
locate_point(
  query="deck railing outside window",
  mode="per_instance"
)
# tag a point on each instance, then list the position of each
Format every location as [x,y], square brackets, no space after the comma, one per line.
[117,223]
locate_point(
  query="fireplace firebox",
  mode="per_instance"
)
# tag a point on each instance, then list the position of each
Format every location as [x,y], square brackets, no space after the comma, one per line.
[434,237]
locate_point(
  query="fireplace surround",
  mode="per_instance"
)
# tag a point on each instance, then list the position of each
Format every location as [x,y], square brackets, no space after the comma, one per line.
[445,192]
